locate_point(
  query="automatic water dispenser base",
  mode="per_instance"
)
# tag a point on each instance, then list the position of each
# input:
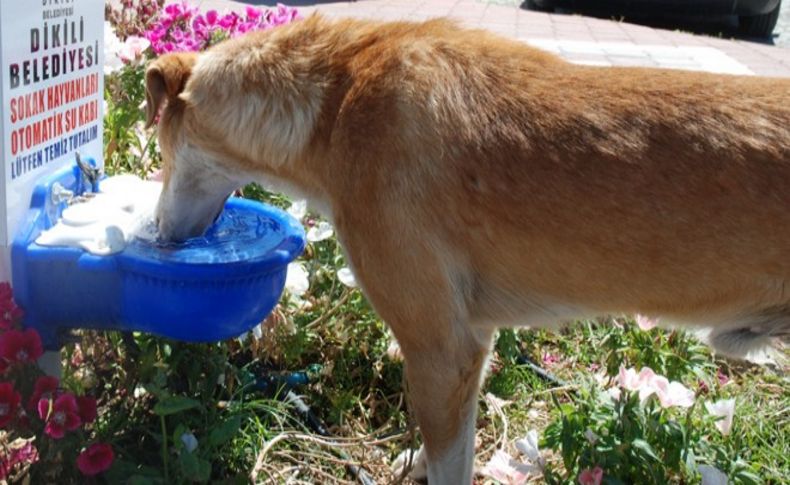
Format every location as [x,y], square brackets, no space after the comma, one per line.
[197,294]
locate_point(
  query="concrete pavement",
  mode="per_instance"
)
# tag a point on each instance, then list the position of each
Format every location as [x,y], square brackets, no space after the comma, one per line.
[577,38]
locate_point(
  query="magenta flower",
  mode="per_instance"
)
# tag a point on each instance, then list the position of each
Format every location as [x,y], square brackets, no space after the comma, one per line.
[97,458]
[9,403]
[5,291]
[10,314]
[591,476]
[229,21]
[61,415]
[550,359]
[87,409]
[21,346]
[253,13]
[45,387]
[180,27]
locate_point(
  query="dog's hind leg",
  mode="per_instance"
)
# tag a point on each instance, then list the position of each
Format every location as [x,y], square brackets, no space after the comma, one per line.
[442,383]
[424,303]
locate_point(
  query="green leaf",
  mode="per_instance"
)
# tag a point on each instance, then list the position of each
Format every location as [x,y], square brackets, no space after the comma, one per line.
[140,480]
[174,404]
[194,468]
[180,430]
[746,477]
[225,431]
[204,471]
[645,448]
[189,464]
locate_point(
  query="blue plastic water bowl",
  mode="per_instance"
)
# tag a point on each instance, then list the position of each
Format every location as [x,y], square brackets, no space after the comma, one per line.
[208,289]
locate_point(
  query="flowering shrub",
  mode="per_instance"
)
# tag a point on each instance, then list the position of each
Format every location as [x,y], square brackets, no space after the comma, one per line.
[643,429]
[135,33]
[181,28]
[53,423]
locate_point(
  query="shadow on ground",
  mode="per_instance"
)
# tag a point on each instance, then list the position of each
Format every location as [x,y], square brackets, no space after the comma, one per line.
[723,26]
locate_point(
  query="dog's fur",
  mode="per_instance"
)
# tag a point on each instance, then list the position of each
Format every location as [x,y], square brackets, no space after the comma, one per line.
[474,182]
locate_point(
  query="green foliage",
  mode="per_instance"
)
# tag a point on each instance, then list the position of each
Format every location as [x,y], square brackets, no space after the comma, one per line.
[128,146]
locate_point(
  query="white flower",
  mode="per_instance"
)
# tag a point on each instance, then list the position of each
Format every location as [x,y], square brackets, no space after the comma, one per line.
[347,277]
[320,232]
[139,391]
[528,446]
[298,209]
[296,281]
[712,475]
[112,46]
[257,332]
[505,469]
[417,459]
[724,408]
[646,323]
[190,442]
[393,350]
[494,405]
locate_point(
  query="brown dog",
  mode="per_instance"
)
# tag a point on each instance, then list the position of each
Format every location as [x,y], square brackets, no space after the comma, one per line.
[476,182]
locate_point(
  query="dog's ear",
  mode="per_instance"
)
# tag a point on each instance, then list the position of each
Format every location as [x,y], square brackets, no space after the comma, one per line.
[165,78]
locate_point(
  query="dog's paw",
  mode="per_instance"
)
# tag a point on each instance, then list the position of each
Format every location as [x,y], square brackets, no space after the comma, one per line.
[413,459]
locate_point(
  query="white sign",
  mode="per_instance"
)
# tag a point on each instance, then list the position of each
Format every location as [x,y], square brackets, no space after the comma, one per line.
[51,55]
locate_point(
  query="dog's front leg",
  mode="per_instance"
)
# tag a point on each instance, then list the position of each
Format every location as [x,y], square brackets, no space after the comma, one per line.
[424,295]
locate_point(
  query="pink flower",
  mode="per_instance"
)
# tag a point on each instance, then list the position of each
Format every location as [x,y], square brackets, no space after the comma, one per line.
[647,383]
[646,323]
[723,378]
[19,346]
[642,382]
[22,455]
[550,359]
[87,409]
[9,403]
[45,387]
[672,393]
[61,415]
[133,48]
[591,477]
[97,458]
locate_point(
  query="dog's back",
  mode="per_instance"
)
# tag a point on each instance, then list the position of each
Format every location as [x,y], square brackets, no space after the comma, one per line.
[579,189]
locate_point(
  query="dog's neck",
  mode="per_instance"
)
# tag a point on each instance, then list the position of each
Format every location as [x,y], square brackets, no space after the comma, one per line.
[279,131]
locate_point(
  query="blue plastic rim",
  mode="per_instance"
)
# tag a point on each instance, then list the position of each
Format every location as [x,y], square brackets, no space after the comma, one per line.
[213,288]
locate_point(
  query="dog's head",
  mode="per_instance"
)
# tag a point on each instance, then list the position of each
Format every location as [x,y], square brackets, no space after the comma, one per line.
[195,183]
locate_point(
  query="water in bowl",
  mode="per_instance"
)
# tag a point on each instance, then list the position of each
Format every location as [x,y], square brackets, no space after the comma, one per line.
[237,235]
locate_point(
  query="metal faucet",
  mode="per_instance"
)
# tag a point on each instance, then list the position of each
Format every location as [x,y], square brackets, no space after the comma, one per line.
[91,174]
